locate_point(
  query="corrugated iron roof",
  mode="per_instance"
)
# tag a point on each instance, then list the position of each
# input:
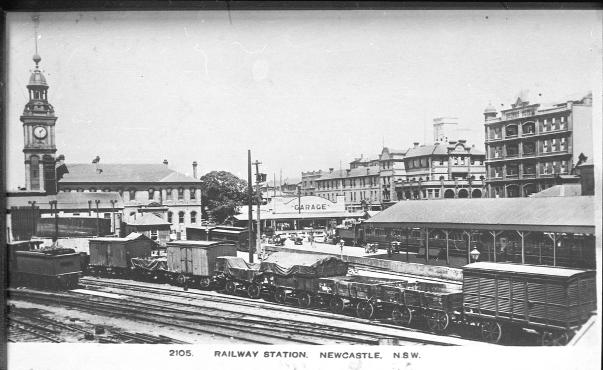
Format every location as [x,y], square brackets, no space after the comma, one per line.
[525,269]
[115,172]
[544,213]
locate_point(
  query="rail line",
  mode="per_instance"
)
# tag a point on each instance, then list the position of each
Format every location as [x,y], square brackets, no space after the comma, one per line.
[387,331]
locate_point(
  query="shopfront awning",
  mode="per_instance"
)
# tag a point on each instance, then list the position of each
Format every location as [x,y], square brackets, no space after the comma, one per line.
[302,216]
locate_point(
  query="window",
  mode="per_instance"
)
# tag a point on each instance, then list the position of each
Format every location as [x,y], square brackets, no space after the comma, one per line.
[180,193]
[193,217]
[107,215]
[497,172]
[512,170]
[154,234]
[562,144]
[151,193]
[169,217]
[497,133]
[545,125]
[511,130]
[168,194]
[132,194]
[562,125]
[193,193]
[181,217]
[555,145]
[546,146]
[529,169]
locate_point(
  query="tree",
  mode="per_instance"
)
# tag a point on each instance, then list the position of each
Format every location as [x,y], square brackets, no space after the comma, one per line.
[222,192]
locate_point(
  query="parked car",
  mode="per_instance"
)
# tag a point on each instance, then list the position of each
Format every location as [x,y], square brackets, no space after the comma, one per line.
[319,236]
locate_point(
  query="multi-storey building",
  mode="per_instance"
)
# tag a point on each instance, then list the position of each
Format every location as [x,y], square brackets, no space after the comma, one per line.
[529,149]
[145,188]
[391,170]
[308,182]
[442,170]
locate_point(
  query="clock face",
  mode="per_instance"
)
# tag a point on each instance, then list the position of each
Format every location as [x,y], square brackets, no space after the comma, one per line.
[40,132]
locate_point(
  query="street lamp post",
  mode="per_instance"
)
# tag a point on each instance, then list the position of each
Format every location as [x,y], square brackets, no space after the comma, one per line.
[474,254]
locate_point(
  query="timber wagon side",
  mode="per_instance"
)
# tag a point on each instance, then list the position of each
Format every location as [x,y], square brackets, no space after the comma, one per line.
[503,298]
[364,295]
[436,304]
[192,262]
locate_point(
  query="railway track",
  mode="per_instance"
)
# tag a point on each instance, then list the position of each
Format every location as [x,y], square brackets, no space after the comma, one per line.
[22,318]
[381,330]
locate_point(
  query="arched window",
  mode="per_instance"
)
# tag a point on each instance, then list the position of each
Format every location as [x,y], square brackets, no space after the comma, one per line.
[449,193]
[151,193]
[180,193]
[193,217]
[169,217]
[181,217]
[193,193]
[132,194]
[34,172]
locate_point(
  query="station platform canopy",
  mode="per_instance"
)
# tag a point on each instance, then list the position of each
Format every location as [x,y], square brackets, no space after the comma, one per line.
[573,214]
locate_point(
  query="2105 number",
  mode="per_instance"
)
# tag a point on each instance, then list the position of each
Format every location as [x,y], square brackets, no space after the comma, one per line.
[181,352]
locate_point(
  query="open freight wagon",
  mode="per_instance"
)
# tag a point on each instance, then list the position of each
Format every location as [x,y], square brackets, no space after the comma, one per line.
[507,298]
[233,274]
[47,268]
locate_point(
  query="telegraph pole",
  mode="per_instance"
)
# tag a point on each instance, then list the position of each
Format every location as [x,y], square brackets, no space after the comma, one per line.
[258,181]
[250,205]
[97,220]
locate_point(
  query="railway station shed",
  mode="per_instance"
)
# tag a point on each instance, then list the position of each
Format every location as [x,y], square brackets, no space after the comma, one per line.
[556,231]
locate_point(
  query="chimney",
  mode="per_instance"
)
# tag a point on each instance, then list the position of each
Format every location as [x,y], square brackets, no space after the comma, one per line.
[195,169]
[415,144]
[165,161]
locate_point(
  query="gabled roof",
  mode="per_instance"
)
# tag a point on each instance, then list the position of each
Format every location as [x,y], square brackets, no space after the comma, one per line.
[123,173]
[148,219]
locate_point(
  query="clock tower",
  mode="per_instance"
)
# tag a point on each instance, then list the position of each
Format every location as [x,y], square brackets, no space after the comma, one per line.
[39,134]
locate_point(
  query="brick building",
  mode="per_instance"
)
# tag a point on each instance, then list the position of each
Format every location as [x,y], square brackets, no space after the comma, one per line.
[529,148]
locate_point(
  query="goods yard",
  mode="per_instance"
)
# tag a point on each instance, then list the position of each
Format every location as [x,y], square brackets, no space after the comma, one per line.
[200,291]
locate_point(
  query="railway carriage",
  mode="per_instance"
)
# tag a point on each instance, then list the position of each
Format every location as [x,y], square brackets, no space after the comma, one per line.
[506,298]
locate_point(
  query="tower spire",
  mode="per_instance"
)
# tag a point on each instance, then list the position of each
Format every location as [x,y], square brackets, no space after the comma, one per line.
[36,20]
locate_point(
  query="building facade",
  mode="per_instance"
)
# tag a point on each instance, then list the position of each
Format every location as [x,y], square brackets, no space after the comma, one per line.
[529,149]
[308,182]
[154,188]
[442,170]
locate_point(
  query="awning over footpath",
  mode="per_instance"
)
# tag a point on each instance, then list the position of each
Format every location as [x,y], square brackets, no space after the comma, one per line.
[302,216]
[545,214]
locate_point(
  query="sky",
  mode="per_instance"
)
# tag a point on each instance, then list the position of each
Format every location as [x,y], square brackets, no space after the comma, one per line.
[304,90]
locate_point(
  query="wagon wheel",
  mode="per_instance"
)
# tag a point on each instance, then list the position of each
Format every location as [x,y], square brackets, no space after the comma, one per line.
[438,321]
[205,282]
[253,291]
[491,331]
[559,338]
[280,296]
[230,288]
[402,315]
[304,299]
[181,280]
[365,310]
[336,305]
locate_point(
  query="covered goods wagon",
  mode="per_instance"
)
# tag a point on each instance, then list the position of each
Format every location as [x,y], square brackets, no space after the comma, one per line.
[113,255]
[53,268]
[504,297]
[193,261]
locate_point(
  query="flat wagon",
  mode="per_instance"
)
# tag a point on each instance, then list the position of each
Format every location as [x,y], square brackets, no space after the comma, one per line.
[113,256]
[48,268]
[502,298]
[192,262]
